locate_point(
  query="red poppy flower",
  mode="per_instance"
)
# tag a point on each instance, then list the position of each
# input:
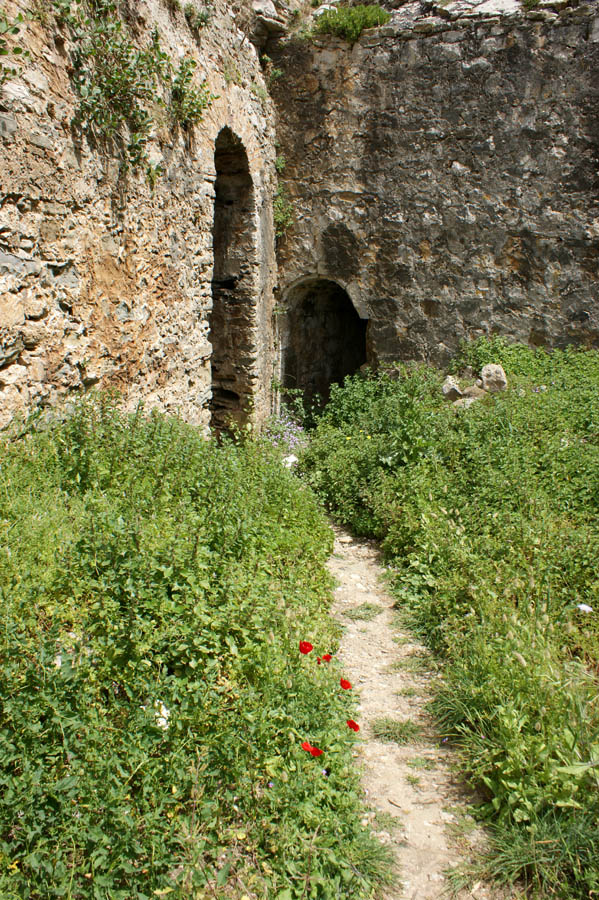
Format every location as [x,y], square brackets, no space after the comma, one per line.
[345,684]
[316,752]
[327,657]
[306,647]
[318,660]
[307,747]
[353,725]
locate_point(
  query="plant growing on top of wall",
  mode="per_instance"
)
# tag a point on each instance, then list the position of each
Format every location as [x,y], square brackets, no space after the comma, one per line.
[349,22]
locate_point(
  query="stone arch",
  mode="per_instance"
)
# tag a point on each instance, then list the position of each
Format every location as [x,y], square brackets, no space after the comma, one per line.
[232,320]
[323,338]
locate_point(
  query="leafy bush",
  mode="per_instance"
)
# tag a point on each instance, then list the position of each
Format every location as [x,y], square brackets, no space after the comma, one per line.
[489,516]
[153,700]
[188,102]
[349,22]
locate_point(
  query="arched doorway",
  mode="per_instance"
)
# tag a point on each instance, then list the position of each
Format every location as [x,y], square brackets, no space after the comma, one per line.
[324,338]
[233,302]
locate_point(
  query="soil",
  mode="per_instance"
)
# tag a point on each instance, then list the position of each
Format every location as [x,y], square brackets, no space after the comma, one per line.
[418,804]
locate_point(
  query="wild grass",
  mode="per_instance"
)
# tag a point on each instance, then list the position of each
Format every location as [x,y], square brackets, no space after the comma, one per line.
[365,612]
[489,516]
[154,590]
[395,731]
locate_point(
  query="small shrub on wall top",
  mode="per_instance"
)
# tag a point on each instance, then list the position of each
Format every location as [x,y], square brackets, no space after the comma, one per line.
[349,22]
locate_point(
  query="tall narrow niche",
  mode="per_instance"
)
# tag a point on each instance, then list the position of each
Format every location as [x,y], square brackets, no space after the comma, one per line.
[232,320]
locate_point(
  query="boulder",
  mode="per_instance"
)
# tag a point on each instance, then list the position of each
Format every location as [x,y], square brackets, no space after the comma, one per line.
[451,389]
[493,378]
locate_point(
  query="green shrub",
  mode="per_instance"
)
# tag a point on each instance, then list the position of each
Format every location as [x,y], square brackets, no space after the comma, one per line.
[187,101]
[349,22]
[282,211]
[153,699]
[120,85]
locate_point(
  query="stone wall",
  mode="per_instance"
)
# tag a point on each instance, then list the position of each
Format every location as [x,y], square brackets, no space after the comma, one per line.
[445,172]
[102,279]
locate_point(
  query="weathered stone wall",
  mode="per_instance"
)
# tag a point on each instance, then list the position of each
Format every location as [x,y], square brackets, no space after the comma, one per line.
[103,280]
[446,174]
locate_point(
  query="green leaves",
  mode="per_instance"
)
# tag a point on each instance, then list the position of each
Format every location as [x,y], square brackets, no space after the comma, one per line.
[188,102]
[10,28]
[153,596]
[349,22]
[120,84]
[490,521]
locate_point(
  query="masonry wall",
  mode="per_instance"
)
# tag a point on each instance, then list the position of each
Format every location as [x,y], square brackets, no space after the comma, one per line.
[103,280]
[446,174]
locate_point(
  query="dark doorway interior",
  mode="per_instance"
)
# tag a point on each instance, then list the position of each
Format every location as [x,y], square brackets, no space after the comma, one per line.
[325,338]
[232,317]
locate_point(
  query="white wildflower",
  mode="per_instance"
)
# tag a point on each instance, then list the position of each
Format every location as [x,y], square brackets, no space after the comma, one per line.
[584,607]
[162,715]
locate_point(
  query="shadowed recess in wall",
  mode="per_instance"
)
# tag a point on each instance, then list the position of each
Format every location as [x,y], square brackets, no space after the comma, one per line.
[233,285]
[324,338]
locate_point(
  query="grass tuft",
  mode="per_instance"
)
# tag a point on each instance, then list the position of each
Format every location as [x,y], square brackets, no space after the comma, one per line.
[365,612]
[394,731]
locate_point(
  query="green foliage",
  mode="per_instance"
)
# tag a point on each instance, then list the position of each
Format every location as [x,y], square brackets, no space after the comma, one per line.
[121,86]
[259,91]
[196,18]
[153,701]
[395,731]
[187,101]
[282,211]
[9,28]
[365,612]
[489,516]
[349,22]
[280,163]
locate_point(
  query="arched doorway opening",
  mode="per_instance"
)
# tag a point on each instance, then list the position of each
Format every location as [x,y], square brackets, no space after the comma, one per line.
[233,307]
[324,338]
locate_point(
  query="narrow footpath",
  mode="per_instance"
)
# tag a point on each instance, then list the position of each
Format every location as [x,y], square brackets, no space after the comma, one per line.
[418,806]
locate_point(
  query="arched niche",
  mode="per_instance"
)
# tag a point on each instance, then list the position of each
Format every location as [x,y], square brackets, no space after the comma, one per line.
[323,338]
[232,320]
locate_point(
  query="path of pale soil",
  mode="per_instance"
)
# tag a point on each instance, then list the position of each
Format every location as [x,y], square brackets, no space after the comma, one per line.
[412,782]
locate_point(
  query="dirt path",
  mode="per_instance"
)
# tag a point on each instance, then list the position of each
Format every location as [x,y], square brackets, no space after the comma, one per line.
[410,781]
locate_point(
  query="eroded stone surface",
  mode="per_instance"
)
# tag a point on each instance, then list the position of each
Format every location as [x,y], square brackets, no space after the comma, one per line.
[445,174]
[105,281]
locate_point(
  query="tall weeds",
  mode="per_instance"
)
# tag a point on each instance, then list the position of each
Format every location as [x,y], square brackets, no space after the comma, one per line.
[153,700]
[489,515]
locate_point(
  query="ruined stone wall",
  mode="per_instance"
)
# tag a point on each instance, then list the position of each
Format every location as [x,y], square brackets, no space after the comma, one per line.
[445,172]
[102,279]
